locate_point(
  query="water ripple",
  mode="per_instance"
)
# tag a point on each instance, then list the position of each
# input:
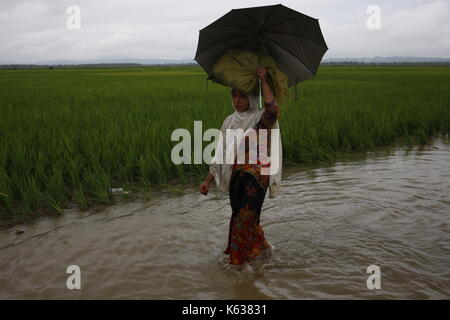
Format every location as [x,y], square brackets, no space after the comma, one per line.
[389,208]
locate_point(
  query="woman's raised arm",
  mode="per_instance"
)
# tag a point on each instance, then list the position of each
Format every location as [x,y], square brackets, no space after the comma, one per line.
[271,109]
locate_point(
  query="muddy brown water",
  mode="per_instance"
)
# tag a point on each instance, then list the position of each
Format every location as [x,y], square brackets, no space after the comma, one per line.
[390,208]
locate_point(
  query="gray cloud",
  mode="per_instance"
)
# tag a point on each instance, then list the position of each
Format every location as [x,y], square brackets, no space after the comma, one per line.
[35,30]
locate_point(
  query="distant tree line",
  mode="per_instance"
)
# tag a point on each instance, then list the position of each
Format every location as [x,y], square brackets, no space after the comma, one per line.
[359,63]
[91,65]
[193,64]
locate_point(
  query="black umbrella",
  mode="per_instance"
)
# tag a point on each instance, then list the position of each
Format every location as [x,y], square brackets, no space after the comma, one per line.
[294,40]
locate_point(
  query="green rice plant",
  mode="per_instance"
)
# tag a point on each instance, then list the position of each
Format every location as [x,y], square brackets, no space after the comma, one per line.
[72,134]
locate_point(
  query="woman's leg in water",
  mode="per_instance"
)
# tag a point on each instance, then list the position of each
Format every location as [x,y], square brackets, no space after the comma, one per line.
[246,237]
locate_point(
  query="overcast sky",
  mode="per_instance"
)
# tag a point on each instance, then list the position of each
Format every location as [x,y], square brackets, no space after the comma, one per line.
[36,30]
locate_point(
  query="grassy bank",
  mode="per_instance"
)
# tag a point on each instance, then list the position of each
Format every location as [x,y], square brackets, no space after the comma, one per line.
[67,136]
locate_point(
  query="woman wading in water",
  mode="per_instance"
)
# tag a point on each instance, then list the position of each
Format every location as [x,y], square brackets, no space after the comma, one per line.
[244,182]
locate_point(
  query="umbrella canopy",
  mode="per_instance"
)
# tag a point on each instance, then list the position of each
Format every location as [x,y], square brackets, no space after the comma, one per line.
[292,39]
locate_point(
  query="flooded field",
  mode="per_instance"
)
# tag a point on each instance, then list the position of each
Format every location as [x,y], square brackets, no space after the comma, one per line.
[389,208]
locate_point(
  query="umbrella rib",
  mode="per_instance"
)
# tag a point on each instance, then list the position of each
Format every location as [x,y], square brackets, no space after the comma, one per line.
[276,44]
[301,48]
[268,16]
[230,27]
[284,21]
[269,51]
[248,18]
[214,46]
[295,36]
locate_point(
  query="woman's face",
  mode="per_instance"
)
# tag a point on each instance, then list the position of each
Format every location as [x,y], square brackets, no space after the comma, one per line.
[240,100]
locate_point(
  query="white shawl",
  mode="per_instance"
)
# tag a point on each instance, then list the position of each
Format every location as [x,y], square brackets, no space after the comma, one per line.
[220,170]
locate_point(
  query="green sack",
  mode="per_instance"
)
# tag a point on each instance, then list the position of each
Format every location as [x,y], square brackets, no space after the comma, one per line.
[237,69]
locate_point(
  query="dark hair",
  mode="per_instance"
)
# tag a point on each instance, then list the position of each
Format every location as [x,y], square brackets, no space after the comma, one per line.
[233,92]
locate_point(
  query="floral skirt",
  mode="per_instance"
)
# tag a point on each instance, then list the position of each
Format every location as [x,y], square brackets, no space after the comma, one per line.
[247,192]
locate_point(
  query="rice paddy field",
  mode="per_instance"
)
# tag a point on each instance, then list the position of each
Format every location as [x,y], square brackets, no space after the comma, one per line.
[69,135]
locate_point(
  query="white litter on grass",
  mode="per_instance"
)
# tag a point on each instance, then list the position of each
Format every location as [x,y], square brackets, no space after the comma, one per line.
[118,190]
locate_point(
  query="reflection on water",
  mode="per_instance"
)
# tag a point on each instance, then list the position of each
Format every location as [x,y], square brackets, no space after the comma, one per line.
[390,209]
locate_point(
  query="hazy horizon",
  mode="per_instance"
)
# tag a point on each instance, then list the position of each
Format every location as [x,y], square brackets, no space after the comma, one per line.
[37,31]
[143,61]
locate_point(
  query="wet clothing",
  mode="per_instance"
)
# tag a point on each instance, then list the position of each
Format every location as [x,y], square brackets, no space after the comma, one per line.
[221,170]
[247,191]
